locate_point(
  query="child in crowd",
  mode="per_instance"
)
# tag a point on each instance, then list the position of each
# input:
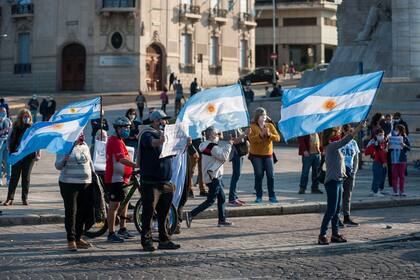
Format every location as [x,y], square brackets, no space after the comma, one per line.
[377,150]
[399,159]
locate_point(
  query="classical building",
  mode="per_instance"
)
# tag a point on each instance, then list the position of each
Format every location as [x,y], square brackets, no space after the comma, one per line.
[306,31]
[122,45]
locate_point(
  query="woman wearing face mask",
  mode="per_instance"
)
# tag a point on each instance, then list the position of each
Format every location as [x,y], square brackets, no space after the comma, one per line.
[75,176]
[132,140]
[24,166]
[334,174]
[261,137]
[377,150]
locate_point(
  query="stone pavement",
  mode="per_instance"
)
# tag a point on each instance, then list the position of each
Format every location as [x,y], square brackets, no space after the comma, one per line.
[278,247]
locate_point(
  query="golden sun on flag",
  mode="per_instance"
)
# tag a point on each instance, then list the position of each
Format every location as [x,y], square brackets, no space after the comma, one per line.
[72,110]
[329,104]
[58,126]
[211,108]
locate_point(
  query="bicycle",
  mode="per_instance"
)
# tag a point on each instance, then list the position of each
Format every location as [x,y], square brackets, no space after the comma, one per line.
[101,225]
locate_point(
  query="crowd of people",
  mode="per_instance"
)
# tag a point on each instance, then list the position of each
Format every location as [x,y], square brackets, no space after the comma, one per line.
[333,155]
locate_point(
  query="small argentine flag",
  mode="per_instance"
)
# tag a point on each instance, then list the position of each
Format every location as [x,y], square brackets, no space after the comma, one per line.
[334,103]
[79,108]
[221,107]
[56,136]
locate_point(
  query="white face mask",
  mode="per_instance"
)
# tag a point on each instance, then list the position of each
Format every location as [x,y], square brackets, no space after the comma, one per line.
[262,119]
[380,138]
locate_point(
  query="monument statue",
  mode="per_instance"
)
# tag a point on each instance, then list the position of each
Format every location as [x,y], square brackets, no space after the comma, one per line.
[381,11]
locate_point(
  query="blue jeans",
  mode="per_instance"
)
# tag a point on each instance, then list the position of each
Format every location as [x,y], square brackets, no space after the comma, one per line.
[4,158]
[312,161]
[33,113]
[334,190]
[260,165]
[379,176]
[215,191]
[237,162]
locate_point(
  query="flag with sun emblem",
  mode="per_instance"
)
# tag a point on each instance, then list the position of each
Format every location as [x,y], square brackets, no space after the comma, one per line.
[334,103]
[221,107]
[79,108]
[56,136]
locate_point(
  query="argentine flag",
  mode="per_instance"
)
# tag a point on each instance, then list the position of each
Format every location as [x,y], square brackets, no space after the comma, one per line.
[221,107]
[79,108]
[56,136]
[334,103]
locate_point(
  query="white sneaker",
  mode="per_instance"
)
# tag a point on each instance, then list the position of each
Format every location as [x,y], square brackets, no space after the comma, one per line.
[372,194]
[395,194]
[403,194]
[384,192]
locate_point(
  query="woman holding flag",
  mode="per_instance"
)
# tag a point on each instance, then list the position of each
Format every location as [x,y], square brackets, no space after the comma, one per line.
[24,166]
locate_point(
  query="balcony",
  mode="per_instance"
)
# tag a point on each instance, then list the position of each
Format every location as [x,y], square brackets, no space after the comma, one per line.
[189,13]
[215,69]
[22,10]
[23,68]
[218,16]
[118,6]
[246,20]
[186,68]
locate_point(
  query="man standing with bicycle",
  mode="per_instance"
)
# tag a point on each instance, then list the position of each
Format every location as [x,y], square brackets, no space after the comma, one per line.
[157,190]
[118,170]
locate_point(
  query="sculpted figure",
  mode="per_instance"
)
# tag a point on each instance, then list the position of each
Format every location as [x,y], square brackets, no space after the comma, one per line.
[381,11]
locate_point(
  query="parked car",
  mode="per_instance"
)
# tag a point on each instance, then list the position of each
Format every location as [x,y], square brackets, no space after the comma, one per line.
[263,74]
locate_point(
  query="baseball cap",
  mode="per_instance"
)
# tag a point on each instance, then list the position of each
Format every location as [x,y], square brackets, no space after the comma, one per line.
[158,115]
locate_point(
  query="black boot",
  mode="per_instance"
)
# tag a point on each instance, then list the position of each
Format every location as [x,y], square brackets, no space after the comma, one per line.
[349,222]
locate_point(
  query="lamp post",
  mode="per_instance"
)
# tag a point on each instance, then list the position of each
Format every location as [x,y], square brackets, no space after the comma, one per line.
[274,42]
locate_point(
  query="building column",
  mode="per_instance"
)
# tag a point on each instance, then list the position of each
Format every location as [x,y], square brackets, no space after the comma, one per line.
[320,53]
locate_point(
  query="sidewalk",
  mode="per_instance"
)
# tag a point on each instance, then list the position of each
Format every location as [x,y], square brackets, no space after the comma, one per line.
[46,205]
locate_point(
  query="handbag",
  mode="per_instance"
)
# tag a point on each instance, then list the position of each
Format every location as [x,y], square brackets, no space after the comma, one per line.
[321,172]
[242,148]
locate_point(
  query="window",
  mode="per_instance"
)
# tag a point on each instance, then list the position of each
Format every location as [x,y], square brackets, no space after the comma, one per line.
[214,4]
[330,22]
[299,21]
[186,49]
[243,54]
[119,3]
[116,40]
[188,2]
[24,64]
[266,22]
[214,51]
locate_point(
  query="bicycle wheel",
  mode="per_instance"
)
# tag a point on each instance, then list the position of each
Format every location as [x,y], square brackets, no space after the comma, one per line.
[171,220]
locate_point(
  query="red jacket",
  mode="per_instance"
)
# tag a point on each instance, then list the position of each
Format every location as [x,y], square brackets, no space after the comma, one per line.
[377,152]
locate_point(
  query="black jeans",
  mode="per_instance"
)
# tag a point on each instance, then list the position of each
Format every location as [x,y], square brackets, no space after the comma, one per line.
[155,196]
[215,192]
[24,168]
[76,201]
[141,109]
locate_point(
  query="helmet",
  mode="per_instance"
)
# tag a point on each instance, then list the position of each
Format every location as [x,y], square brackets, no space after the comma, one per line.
[121,121]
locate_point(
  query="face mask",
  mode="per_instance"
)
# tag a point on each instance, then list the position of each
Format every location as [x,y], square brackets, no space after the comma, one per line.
[132,117]
[25,120]
[2,115]
[380,138]
[124,133]
[396,132]
[162,127]
[397,120]
[262,119]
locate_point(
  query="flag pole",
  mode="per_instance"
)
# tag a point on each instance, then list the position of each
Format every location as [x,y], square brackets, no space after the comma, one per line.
[101,117]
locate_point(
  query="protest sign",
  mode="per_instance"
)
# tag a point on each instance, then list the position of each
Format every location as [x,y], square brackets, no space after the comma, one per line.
[175,139]
[395,142]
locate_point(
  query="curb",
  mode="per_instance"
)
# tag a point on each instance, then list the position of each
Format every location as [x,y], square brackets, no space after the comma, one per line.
[245,211]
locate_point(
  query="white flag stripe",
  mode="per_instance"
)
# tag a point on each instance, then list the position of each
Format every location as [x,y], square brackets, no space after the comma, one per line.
[317,104]
[201,112]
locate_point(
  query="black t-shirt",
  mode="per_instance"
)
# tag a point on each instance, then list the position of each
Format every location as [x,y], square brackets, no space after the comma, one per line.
[152,168]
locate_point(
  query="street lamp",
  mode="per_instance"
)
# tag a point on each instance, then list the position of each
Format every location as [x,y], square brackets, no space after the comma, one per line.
[274,43]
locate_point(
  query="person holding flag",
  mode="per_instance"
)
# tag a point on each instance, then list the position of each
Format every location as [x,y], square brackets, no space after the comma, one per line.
[23,167]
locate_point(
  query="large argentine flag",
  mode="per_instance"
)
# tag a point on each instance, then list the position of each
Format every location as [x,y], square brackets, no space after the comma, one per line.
[79,108]
[55,136]
[222,107]
[334,103]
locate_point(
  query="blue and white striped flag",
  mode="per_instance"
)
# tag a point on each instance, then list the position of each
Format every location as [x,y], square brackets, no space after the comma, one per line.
[334,103]
[221,107]
[56,136]
[79,108]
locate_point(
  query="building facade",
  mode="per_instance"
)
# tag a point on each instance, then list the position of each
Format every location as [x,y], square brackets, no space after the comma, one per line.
[306,31]
[123,45]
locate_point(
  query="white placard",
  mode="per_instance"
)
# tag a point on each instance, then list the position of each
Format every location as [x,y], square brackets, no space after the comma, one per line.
[99,155]
[117,60]
[175,139]
[395,142]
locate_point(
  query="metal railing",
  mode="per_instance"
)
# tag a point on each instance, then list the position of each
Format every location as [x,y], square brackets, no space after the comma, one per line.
[22,9]
[217,12]
[23,68]
[118,3]
[189,9]
[245,17]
